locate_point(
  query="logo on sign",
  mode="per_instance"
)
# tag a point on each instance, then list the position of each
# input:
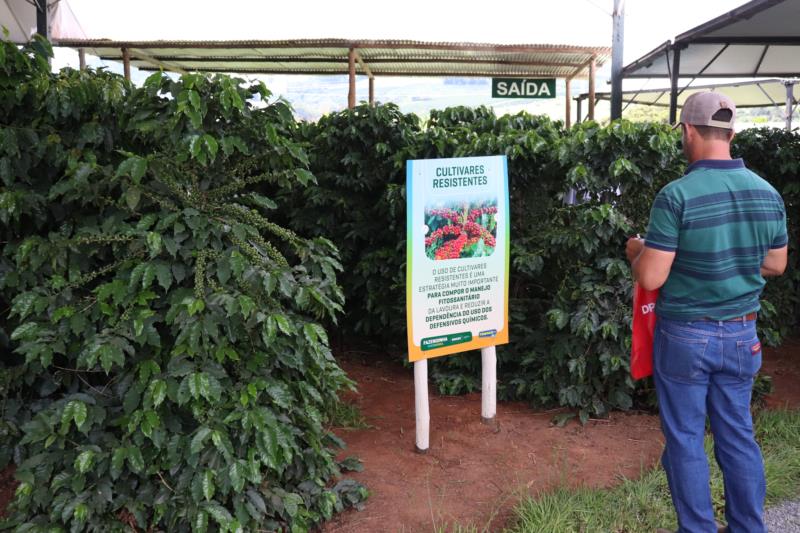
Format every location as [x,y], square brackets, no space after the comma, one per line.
[648,308]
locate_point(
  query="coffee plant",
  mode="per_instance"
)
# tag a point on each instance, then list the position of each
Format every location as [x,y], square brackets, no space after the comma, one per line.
[775,155]
[359,203]
[175,255]
[165,362]
[569,286]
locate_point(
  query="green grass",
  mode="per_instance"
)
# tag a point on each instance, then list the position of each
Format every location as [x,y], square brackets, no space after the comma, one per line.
[456,528]
[345,415]
[644,504]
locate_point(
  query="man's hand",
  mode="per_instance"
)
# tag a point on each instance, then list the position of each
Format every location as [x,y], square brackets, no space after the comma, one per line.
[633,248]
[650,267]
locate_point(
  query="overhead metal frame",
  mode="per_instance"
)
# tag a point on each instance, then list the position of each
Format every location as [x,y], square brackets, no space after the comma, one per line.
[787,105]
[726,31]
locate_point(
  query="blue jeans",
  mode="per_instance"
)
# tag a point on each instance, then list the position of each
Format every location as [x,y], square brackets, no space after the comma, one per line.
[707,369]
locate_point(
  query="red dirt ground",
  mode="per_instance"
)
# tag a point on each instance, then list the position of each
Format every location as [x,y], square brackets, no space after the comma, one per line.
[7,487]
[783,365]
[474,473]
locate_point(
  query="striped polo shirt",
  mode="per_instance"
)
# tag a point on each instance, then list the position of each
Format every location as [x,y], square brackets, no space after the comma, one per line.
[720,219]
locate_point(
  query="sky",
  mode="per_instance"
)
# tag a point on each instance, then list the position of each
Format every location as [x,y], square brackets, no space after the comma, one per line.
[648,23]
[581,22]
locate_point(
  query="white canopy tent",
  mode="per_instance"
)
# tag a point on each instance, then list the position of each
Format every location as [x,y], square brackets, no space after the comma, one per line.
[19,17]
[758,39]
[781,93]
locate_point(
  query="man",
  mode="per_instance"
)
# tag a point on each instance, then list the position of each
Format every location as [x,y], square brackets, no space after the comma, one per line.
[713,236]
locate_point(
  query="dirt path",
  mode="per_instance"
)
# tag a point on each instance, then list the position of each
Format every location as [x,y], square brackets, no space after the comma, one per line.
[473,475]
[783,365]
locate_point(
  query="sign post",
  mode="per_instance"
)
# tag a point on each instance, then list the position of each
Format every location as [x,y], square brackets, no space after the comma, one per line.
[488,384]
[457,269]
[422,410]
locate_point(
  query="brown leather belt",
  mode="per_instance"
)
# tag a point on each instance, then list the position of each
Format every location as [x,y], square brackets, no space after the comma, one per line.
[748,317]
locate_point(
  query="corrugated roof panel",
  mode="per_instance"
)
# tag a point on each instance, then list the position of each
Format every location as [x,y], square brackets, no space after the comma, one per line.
[331,56]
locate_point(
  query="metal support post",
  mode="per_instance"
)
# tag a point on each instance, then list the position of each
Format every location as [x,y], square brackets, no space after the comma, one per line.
[592,76]
[41,19]
[674,75]
[617,42]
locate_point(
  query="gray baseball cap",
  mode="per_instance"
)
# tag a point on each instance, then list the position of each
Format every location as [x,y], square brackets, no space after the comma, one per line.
[699,109]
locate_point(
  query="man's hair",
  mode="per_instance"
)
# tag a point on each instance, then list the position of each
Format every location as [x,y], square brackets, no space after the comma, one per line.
[713,133]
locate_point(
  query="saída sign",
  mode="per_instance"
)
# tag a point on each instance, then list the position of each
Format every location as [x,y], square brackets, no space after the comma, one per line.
[523,88]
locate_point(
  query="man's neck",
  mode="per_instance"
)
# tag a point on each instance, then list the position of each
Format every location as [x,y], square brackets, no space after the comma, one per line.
[713,152]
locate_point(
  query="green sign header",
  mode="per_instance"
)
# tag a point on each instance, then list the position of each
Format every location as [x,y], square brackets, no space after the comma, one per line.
[523,88]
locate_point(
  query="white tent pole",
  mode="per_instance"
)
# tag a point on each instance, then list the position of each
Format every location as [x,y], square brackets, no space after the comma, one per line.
[421,403]
[489,384]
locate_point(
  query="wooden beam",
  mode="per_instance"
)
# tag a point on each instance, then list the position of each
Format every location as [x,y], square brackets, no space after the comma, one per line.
[592,73]
[126,63]
[351,93]
[581,68]
[338,60]
[363,65]
[372,91]
[568,121]
[82,58]
[142,55]
[334,71]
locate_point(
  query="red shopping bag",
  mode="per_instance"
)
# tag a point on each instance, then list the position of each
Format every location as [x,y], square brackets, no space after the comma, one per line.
[644,323]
